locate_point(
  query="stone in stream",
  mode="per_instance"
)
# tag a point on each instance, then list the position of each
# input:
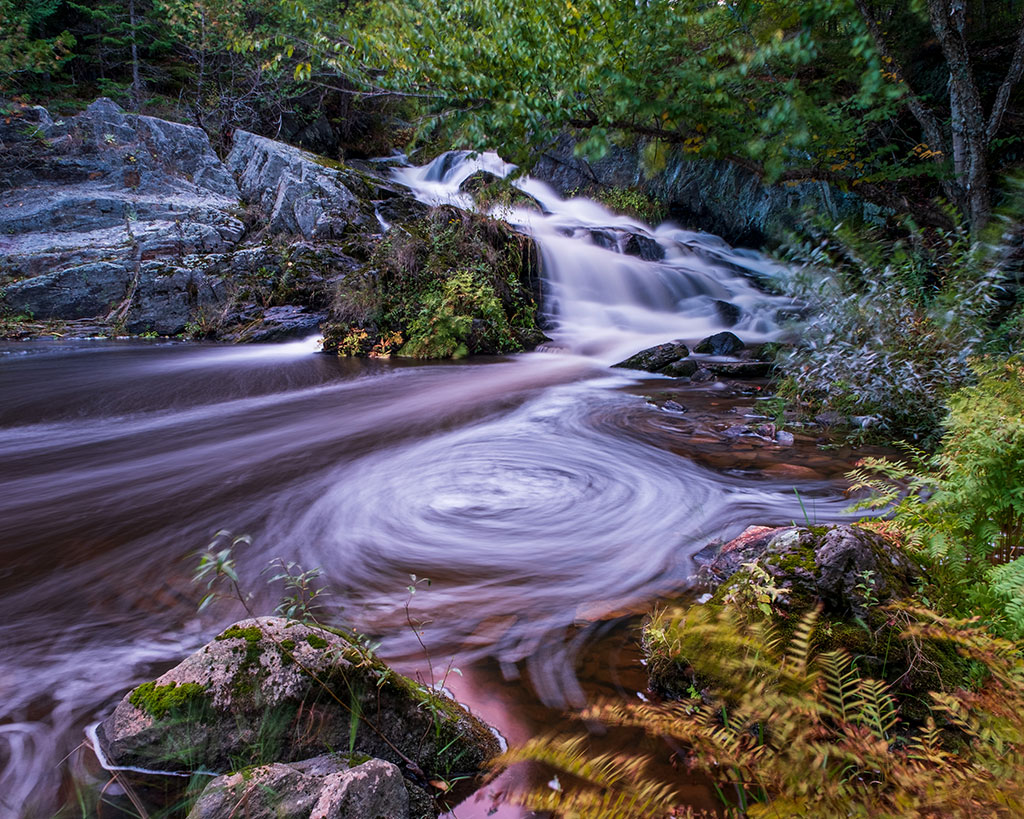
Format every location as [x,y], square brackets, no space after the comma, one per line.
[643,246]
[325,787]
[656,358]
[724,343]
[684,368]
[272,690]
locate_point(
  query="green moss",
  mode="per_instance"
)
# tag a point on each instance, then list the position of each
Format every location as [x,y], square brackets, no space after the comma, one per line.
[251,634]
[160,700]
[316,641]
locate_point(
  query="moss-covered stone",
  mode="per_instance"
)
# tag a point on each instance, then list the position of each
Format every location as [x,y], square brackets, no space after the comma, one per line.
[277,690]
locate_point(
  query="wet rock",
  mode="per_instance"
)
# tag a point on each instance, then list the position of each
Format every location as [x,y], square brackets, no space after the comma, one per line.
[643,246]
[655,358]
[605,239]
[673,406]
[272,690]
[702,375]
[684,368]
[739,369]
[724,343]
[728,312]
[783,438]
[279,324]
[326,787]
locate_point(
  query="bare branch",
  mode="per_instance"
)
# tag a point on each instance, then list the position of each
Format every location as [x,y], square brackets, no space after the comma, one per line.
[1003,96]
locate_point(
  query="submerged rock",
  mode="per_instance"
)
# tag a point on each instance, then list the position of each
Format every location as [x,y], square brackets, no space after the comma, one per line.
[653,359]
[272,690]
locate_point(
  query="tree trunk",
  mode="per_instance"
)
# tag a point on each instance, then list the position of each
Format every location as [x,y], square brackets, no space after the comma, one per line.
[136,79]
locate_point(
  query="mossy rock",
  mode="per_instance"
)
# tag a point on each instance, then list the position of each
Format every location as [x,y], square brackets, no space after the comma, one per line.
[855,575]
[273,690]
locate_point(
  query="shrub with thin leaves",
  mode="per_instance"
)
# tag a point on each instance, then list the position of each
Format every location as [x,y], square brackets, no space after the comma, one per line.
[894,325]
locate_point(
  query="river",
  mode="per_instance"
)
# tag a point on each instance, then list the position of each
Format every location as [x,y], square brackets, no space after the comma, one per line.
[539,493]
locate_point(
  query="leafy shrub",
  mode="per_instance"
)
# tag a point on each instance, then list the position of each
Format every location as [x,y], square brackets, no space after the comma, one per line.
[445,321]
[793,733]
[450,283]
[895,324]
[964,506]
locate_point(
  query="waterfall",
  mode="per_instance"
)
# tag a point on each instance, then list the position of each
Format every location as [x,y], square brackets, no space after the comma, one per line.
[613,285]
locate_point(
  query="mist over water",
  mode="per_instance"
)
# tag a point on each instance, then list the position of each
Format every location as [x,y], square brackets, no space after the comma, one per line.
[508,482]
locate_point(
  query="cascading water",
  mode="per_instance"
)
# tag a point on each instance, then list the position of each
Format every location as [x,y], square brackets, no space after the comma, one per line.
[612,284]
[523,487]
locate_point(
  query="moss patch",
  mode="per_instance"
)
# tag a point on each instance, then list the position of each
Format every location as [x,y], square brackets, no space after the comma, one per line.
[316,641]
[160,700]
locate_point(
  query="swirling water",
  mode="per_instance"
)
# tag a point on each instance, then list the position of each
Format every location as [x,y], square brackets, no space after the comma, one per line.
[508,482]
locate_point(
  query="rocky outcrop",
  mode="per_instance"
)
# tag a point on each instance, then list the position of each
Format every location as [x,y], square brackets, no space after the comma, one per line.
[717,197]
[135,222]
[271,690]
[325,787]
[295,192]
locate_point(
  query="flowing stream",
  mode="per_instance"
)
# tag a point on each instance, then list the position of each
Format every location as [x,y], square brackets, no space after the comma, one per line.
[538,492]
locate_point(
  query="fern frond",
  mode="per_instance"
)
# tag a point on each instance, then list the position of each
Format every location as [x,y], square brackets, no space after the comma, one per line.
[875,708]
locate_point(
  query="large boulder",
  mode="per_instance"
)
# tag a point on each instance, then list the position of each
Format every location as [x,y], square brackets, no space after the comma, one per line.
[297,192]
[272,690]
[854,574]
[325,787]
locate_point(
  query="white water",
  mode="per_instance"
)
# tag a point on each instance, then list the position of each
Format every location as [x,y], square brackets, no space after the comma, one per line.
[601,301]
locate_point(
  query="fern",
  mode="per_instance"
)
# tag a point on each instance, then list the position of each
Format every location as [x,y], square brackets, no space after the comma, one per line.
[810,738]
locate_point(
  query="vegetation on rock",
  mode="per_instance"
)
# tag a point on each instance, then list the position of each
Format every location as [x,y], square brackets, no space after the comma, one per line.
[446,285]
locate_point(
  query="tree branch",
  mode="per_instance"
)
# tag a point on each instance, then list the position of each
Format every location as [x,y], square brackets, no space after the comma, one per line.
[922,113]
[1003,96]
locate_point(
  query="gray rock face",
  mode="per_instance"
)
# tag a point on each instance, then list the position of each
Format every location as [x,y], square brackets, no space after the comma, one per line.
[111,209]
[718,197]
[297,193]
[271,690]
[325,787]
[654,359]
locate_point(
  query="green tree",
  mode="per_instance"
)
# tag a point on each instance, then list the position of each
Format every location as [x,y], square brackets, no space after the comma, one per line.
[24,49]
[792,90]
